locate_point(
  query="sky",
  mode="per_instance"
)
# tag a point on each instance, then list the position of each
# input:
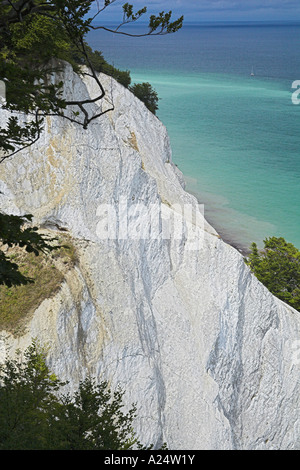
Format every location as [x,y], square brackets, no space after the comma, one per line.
[212,10]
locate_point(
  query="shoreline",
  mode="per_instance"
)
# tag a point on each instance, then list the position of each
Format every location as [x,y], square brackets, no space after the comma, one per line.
[222,232]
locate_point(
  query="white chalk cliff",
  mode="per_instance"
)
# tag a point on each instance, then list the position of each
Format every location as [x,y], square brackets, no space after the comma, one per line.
[205,351]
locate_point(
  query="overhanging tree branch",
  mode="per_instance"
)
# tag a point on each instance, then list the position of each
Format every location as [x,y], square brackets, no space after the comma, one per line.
[70,17]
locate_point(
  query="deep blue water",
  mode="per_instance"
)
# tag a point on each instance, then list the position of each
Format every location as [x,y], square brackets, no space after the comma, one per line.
[235,137]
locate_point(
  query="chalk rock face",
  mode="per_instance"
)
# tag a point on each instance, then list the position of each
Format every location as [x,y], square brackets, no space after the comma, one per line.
[158,303]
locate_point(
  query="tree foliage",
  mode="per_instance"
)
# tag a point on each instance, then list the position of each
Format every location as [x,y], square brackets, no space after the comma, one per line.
[99,64]
[277,266]
[36,415]
[34,32]
[146,93]
[15,232]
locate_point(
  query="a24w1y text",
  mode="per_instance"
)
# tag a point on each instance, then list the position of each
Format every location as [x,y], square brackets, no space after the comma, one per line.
[153,459]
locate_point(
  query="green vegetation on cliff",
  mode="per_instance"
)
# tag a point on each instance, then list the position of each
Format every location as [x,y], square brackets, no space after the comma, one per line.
[277,266]
[43,275]
[36,415]
[146,93]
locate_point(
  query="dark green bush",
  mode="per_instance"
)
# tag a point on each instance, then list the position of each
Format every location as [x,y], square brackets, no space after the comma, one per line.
[146,94]
[277,266]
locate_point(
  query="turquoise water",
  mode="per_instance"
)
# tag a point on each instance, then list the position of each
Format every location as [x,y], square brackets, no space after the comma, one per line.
[235,137]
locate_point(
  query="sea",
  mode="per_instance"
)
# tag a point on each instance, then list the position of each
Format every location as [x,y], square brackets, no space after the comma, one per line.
[229,100]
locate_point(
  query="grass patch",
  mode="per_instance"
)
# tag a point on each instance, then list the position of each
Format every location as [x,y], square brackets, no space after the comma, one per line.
[47,274]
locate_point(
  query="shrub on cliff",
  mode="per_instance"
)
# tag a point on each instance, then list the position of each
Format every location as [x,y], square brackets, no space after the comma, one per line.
[97,61]
[277,266]
[147,95]
[33,416]
[29,277]
[15,233]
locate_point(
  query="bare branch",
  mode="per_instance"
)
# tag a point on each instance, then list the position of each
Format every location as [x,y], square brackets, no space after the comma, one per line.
[115,31]
[72,19]
[30,143]
[100,10]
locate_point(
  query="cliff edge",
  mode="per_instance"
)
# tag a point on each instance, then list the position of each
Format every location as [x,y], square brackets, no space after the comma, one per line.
[157,302]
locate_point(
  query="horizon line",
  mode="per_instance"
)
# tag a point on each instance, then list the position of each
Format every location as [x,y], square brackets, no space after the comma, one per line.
[207,21]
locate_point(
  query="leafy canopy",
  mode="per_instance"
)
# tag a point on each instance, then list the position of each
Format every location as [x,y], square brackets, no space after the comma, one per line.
[146,93]
[15,232]
[32,34]
[277,266]
[35,415]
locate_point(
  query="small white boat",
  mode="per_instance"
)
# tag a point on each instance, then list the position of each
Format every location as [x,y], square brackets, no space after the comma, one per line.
[252,72]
